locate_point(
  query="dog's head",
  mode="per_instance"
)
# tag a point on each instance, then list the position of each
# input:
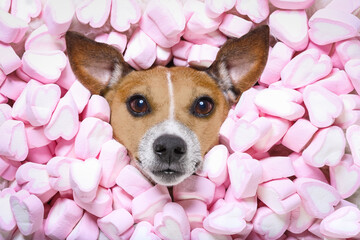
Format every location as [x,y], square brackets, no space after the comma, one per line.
[168,118]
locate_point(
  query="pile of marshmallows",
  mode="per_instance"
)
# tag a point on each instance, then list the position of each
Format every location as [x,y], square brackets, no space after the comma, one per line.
[289,153]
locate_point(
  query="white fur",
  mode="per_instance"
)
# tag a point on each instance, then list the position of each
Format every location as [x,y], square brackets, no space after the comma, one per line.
[171,97]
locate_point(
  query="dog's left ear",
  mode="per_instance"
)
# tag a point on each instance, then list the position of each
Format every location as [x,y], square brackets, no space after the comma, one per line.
[240,62]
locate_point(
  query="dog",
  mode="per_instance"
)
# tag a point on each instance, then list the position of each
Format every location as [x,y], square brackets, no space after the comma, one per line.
[169,117]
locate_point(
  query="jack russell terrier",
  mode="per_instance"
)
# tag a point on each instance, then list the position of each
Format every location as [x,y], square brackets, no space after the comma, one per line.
[169,118]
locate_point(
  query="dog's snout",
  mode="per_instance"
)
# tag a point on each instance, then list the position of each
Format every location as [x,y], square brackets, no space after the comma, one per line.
[169,148]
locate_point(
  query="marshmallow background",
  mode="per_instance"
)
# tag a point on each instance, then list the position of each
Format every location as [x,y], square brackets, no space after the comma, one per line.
[288,158]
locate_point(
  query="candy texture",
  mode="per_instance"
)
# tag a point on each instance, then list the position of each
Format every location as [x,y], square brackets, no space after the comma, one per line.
[288,157]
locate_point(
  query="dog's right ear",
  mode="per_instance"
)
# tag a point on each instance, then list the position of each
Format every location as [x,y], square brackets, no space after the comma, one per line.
[97,66]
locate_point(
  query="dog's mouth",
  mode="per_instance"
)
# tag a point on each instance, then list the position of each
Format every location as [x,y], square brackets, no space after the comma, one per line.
[169,172]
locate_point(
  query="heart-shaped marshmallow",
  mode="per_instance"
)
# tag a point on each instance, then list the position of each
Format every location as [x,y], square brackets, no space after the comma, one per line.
[86,228]
[228,219]
[215,38]
[58,16]
[28,211]
[202,55]
[345,176]
[353,139]
[93,12]
[243,136]
[300,220]
[347,50]
[144,231]
[282,22]
[163,55]
[34,178]
[279,195]
[234,26]
[92,134]
[124,13]
[12,28]
[45,67]
[64,121]
[150,202]
[284,103]
[26,9]
[276,168]
[121,199]
[13,142]
[326,148]
[323,106]
[304,170]
[245,174]
[306,68]
[215,164]
[351,112]
[84,178]
[352,69]
[12,87]
[256,10]
[317,197]
[172,223]
[64,213]
[337,82]
[216,8]
[113,158]
[40,40]
[343,223]
[115,223]
[269,224]
[10,60]
[7,220]
[196,211]
[100,206]
[328,25]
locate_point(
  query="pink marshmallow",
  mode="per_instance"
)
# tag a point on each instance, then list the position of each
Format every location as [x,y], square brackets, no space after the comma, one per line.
[318,198]
[306,68]
[200,234]
[347,6]
[216,8]
[67,77]
[347,50]
[323,106]
[58,169]
[81,96]
[352,137]
[286,4]
[84,179]
[5,112]
[8,168]
[26,10]
[65,120]
[62,218]
[95,13]
[215,38]
[195,187]
[215,165]
[300,220]
[172,222]
[282,23]
[304,170]
[97,107]
[113,158]
[343,223]
[246,102]
[326,148]
[100,206]
[350,114]
[121,199]
[257,10]
[331,25]
[182,49]
[12,28]
[115,39]
[132,181]
[249,205]
[279,195]
[196,211]
[337,82]
[202,55]
[141,50]
[7,219]
[298,135]
[65,148]
[58,15]
[234,26]
[34,178]
[269,224]
[148,203]
[244,135]
[40,40]
[93,132]
[163,56]
[345,176]
[9,60]
[45,67]
[276,167]
[13,142]
[115,223]
[12,87]
[144,230]
[28,212]
[279,56]
[86,228]
[123,14]
[245,175]
[40,155]
[352,69]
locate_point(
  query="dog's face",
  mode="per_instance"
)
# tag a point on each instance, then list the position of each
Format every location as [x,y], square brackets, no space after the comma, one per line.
[168,118]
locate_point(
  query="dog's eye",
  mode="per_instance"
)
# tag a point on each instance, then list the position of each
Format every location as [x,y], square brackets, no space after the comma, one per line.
[138,106]
[202,107]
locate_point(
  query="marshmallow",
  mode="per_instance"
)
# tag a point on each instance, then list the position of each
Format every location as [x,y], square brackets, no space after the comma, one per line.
[347,50]
[13,143]
[12,87]
[26,10]
[86,228]
[196,211]
[115,39]
[300,220]
[40,40]
[62,218]
[276,167]
[95,13]
[121,199]
[200,234]
[5,113]
[286,4]
[40,155]
[144,231]
[9,60]
[216,8]
[58,15]
[81,96]
[97,107]
[234,26]
[257,10]
[202,55]
[12,28]
[7,219]
[304,170]
[163,56]
[352,69]
[124,13]
[337,82]
[115,223]
[350,114]
[352,137]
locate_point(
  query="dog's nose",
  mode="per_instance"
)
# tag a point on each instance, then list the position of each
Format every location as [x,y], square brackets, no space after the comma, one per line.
[169,148]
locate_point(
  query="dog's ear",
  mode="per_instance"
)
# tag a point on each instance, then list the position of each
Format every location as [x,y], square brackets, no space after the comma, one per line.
[97,66]
[240,62]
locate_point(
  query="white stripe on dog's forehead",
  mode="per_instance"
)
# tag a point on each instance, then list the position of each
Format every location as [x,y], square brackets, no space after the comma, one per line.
[171,97]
